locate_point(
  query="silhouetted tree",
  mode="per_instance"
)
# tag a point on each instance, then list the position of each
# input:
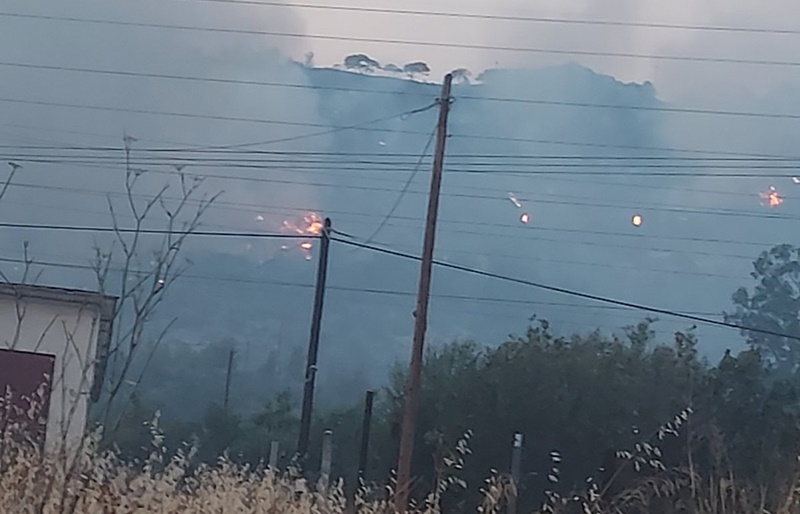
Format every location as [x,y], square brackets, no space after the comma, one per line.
[461,75]
[585,396]
[416,68]
[393,68]
[361,62]
[773,304]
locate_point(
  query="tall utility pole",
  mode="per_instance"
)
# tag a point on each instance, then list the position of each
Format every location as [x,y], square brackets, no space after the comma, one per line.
[365,429]
[421,314]
[313,343]
[228,379]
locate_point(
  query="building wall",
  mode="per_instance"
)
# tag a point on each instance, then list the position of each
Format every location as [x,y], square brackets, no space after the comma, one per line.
[68,331]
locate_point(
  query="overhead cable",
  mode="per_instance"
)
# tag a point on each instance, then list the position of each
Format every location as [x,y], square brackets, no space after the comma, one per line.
[569,292]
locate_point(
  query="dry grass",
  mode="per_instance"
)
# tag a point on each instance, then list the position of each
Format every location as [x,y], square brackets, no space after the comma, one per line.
[87,481]
[93,484]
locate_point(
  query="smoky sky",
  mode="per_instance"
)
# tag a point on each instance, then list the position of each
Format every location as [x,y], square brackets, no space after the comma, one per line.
[151,50]
[676,80]
[672,261]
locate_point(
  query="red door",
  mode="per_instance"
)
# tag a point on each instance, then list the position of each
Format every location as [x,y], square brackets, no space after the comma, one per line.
[22,374]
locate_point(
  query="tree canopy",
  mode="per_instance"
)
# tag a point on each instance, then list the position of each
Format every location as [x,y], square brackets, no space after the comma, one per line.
[772,305]
[613,408]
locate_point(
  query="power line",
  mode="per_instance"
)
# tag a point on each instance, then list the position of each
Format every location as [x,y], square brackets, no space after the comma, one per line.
[442,44]
[581,263]
[207,117]
[384,167]
[542,200]
[580,144]
[328,164]
[545,200]
[573,262]
[258,208]
[536,259]
[515,18]
[652,108]
[380,166]
[496,255]
[569,292]
[375,291]
[200,233]
[548,167]
[334,130]
[530,101]
[728,157]
[393,160]
[195,78]
[75,133]
[472,252]
[485,235]
[403,191]
[616,146]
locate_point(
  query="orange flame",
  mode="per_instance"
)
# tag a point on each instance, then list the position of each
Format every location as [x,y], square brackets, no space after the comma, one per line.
[310,225]
[771,198]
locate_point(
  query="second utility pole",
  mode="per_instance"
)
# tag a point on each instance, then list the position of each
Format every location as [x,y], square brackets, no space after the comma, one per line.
[412,391]
[313,343]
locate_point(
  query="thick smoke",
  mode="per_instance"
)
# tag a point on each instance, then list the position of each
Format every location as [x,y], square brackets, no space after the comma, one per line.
[151,50]
[677,80]
[579,236]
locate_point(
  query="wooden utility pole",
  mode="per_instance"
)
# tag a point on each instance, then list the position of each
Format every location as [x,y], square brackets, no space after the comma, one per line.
[313,343]
[365,429]
[412,391]
[228,379]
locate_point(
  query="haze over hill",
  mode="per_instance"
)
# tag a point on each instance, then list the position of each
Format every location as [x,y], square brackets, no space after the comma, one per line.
[580,235]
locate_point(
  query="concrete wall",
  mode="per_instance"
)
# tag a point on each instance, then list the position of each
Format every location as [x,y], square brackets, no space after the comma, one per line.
[69,331]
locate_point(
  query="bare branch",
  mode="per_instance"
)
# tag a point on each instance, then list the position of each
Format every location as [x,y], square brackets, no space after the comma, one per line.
[14,167]
[44,333]
[142,286]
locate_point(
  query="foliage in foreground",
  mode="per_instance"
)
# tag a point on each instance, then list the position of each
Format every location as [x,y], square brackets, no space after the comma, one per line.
[94,482]
[586,397]
[731,449]
[104,484]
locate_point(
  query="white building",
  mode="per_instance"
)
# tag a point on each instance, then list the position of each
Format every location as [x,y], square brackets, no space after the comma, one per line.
[68,331]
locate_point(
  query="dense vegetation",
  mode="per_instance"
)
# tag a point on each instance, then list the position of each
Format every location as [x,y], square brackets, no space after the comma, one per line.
[586,397]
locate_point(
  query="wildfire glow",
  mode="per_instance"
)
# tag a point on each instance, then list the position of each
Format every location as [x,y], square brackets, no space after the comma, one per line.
[771,198]
[525,218]
[637,220]
[311,224]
